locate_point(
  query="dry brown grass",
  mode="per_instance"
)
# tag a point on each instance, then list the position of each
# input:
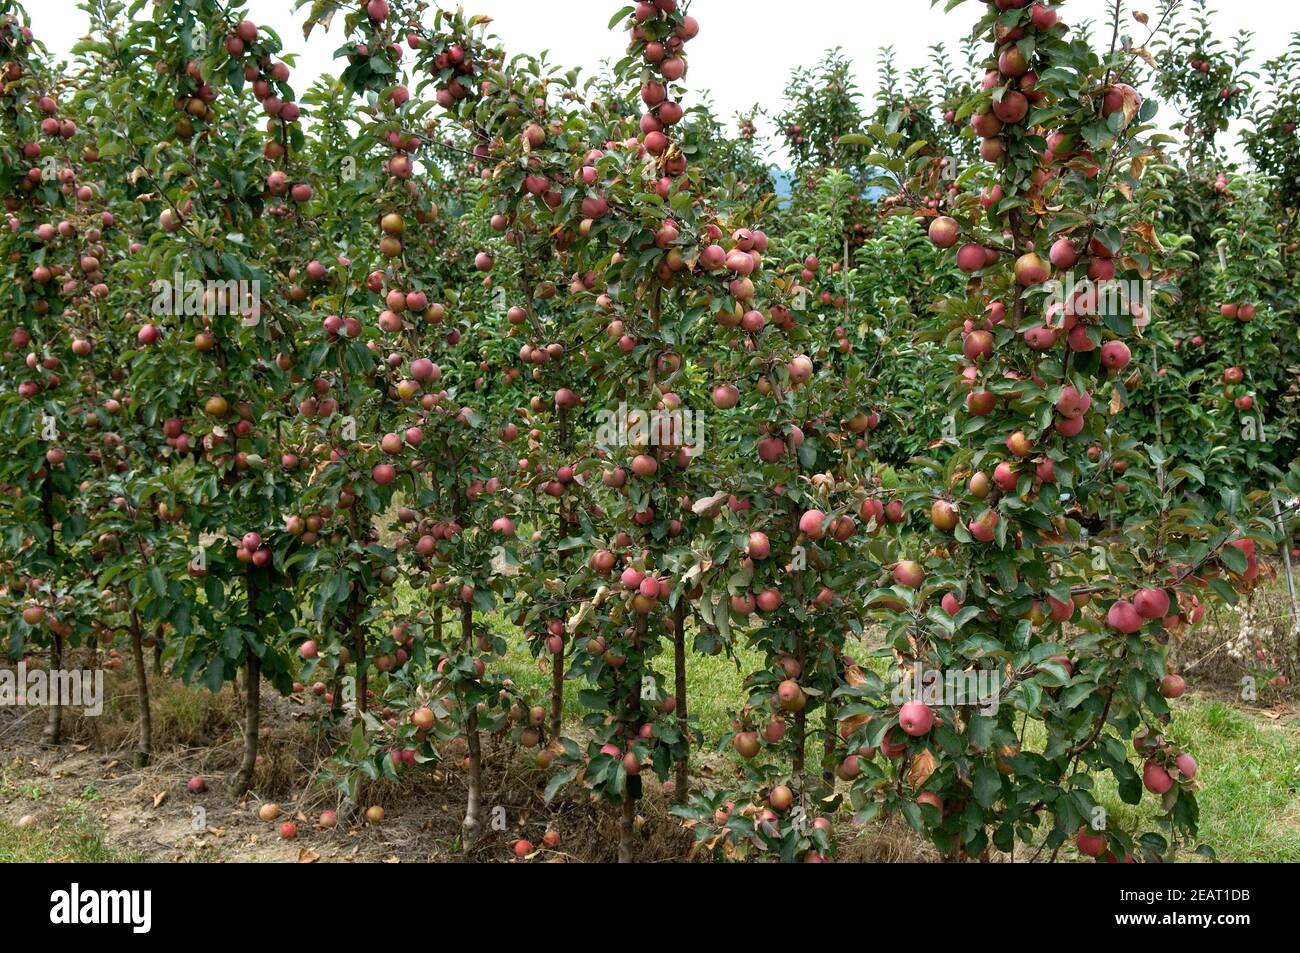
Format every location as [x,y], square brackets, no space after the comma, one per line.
[1227,646]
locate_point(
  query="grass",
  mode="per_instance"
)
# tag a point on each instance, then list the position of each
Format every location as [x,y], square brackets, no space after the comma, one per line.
[1250,782]
[77,842]
[64,834]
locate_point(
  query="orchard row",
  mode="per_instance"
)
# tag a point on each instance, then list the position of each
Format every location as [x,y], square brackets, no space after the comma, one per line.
[324,407]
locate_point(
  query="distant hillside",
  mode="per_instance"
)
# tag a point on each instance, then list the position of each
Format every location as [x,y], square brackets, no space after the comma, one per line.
[782,182]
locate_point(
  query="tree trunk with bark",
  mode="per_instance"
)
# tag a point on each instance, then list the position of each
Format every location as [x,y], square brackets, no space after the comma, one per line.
[252,717]
[53,731]
[472,826]
[144,745]
[252,703]
[679,690]
[626,828]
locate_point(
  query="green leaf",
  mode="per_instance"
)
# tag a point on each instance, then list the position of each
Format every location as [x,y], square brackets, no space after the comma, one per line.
[620,16]
[988,785]
[1224,589]
[214,675]
[554,785]
[1234,559]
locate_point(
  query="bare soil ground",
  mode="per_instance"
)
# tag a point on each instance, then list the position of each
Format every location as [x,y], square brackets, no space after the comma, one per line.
[147,814]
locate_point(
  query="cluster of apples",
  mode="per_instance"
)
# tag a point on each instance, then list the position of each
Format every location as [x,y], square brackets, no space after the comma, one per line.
[51,125]
[1013,81]
[454,66]
[252,550]
[13,37]
[1242,312]
[648,589]
[739,259]
[659,34]
[1233,379]
[307,529]
[1129,616]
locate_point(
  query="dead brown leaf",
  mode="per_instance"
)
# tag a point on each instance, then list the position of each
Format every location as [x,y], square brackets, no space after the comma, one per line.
[1132,264]
[922,766]
[854,722]
[1147,58]
[1147,231]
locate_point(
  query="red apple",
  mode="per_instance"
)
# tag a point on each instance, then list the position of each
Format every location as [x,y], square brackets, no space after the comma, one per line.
[915,718]
[943,232]
[1123,617]
[1172,686]
[1090,844]
[1155,778]
[1151,603]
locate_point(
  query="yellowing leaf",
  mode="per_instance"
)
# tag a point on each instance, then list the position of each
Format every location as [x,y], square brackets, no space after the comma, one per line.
[1147,231]
[1131,264]
[709,506]
[855,722]
[579,617]
[922,766]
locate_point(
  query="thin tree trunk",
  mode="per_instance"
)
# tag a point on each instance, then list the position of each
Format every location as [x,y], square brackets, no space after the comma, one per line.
[355,610]
[362,681]
[144,748]
[336,695]
[628,696]
[630,716]
[679,689]
[626,828]
[53,732]
[828,749]
[557,691]
[252,703]
[252,698]
[472,826]
[92,664]
[158,630]
[801,716]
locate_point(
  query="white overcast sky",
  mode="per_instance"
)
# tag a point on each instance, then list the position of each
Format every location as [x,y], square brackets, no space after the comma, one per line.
[746,48]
